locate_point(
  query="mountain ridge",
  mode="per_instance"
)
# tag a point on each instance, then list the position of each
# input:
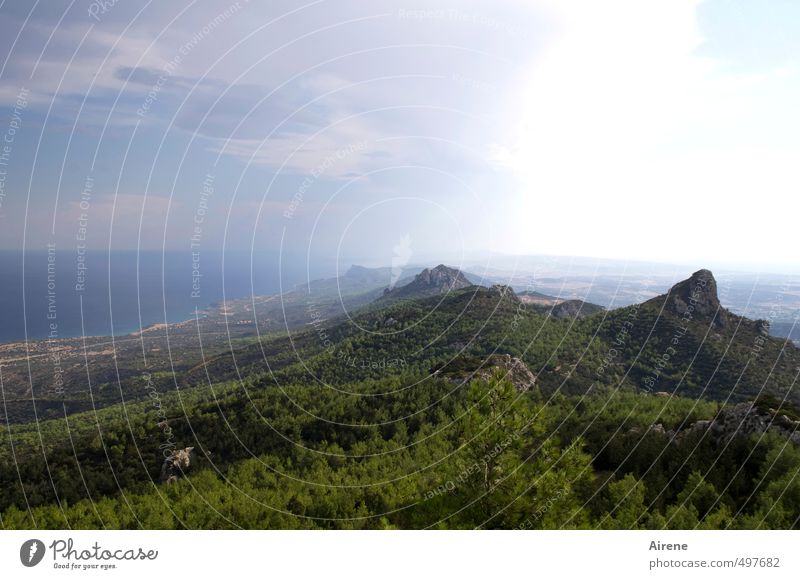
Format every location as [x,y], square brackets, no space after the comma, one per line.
[684,341]
[429,282]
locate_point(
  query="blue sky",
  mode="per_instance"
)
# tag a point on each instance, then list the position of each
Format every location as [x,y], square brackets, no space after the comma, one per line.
[664,130]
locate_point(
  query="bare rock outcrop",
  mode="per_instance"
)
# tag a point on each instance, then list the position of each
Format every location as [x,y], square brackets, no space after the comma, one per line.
[747,418]
[741,420]
[513,368]
[696,298]
[430,282]
[463,370]
[175,465]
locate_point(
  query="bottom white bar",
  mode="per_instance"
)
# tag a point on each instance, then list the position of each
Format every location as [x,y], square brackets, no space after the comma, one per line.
[390,554]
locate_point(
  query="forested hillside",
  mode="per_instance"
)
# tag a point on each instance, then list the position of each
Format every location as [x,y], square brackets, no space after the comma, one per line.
[468,408]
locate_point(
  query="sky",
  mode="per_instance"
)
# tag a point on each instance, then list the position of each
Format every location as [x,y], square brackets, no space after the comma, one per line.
[663,130]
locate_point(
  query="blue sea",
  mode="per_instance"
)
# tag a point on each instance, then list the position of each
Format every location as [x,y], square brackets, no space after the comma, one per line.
[124,291]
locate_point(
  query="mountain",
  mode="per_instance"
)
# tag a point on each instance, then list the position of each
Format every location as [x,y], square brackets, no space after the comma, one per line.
[686,342]
[695,299]
[430,282]
[405,333]
[328,425]
[671,343]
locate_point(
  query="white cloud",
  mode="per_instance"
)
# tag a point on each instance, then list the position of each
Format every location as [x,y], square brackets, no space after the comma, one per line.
[627,144]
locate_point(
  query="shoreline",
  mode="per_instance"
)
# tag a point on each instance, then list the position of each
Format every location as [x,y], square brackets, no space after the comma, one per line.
[122,334]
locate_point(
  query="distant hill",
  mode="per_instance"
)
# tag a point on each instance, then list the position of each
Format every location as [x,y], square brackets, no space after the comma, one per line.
[575,309]
[682,341]
[430,282]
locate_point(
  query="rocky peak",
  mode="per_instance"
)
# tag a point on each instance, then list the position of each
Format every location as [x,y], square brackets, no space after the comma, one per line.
[438,280]
[443,278]
[696,299]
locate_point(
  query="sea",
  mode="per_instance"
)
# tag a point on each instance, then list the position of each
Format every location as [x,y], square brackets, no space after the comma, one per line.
[54,294]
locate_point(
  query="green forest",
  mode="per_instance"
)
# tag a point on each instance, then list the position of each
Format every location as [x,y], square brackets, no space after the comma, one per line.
[399,419]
